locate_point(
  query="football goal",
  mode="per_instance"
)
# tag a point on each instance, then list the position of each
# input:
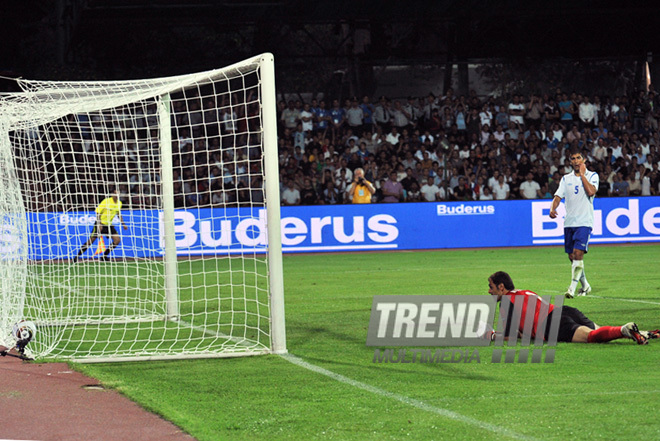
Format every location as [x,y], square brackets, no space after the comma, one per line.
[140,219]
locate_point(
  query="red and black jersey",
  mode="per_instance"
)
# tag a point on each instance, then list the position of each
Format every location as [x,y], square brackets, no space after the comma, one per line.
[528,302]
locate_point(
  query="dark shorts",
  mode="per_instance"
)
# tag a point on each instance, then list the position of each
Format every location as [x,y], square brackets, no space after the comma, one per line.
[104,230]
[571,319]
[576,238]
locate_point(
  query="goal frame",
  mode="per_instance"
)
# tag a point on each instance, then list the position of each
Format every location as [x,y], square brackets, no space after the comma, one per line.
[270,175]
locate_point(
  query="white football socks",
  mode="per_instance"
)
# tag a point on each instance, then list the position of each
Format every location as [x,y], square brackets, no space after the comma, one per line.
[583,277]
[577,272]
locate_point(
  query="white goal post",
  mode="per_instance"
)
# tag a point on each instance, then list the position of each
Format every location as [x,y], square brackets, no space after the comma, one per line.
[140,219]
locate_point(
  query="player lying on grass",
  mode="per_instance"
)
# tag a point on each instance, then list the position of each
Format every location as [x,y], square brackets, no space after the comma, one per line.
[574,326]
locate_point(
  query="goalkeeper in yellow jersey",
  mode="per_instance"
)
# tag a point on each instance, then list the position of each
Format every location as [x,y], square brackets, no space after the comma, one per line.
[105,213]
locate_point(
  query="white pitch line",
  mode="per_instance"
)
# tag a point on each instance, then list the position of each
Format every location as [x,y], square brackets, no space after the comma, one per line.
[405,400]
[239,341]
[401,398]
[623,300]
[606,298]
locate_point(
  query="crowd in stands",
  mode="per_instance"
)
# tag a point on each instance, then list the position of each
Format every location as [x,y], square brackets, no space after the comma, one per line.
[449,148]
[463,148]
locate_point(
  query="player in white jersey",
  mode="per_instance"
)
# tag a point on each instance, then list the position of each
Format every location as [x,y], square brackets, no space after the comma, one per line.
[578,189]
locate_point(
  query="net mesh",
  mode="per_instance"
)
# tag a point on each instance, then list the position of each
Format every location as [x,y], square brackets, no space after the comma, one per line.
[66,147]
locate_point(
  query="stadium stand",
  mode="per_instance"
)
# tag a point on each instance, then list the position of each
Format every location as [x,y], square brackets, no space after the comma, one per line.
[464,143]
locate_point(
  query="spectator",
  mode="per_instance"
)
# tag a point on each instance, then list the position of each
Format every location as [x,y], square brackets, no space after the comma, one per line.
[368,113]
[354,161]
[414,111]
[290,195]
[600,150]
[409,179]
[429,106]
[409,160]
[308,194]
[343,182]
[645,181]
[473,123]
[620,186]
[551,112]
[355,117]
[343,166]
[499,134]
[502,118]
[566,110]
[634,185]
[290,116]
[603,186]
[516,111]
[337,120]
[430,192]
[382,116]
[621,115]
[362,152]
[307,119]
[530,189]
[323,118]
[586,114]
[361,190]
[501,189]
[414,194]
[299,137]
[533,111]
[392,189]
[394,136]
[486,116]
[462,192]
[514,183]
[330,194]
[494,179]
[524,166]
[378,196]
[399,118]
[486,194]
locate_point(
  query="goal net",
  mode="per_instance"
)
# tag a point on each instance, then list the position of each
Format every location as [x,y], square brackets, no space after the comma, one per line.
[140,219]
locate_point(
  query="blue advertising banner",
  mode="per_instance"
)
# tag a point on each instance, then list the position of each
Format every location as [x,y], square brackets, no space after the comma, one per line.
[405,226]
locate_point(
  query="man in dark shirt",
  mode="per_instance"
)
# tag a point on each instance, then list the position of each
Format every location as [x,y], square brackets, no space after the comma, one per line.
[462,192]
[409,179]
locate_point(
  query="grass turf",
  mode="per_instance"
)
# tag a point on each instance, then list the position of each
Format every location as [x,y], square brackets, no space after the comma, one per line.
[605,391]
[118,308]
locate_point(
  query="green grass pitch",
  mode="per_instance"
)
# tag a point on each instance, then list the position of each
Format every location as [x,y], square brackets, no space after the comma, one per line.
[595,391]
[119,308]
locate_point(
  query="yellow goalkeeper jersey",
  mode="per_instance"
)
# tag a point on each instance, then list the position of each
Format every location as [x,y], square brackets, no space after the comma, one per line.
[107,210]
